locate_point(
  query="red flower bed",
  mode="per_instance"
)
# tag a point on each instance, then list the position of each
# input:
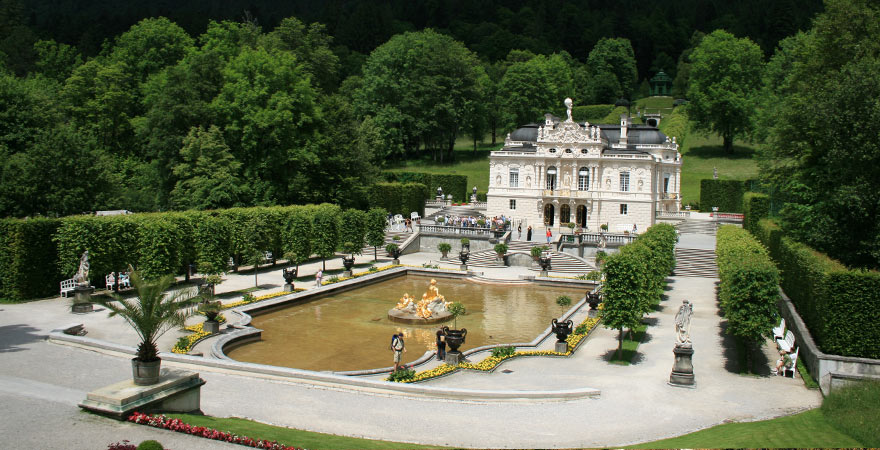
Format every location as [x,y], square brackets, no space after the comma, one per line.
[160,421]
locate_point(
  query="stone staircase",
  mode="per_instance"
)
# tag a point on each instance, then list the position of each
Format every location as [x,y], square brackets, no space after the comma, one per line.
[695,262]
[561,262]
[698,227]
[389,238]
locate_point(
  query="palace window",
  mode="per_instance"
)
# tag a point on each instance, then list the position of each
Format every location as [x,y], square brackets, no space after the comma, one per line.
[514,177]
[623,209]
[551,178]
[624,181]
[513,204]
[584,179]
[568,150]
[552,150]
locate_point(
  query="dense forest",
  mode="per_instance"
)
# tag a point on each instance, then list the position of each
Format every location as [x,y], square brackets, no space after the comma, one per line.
[157,106]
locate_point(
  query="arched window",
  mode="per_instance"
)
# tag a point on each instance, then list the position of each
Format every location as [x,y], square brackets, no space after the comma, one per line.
[551,177]
[584,179]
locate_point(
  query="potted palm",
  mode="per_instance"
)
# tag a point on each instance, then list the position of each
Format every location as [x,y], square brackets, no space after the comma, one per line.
[536,251]
[151,313]
[444,248]
[210,309]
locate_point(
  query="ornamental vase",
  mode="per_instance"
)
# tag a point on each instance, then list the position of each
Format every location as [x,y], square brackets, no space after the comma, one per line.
[562,329]
[454,338]
[348,263]
[145,373]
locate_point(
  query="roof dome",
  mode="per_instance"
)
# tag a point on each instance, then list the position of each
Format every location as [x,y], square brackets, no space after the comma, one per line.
[528,133]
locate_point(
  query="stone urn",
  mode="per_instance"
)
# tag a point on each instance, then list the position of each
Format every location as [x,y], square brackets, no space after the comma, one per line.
[394,254]
[348,262]
[593,298]
[289,275]
[454,338]
[544,262]
[562,329]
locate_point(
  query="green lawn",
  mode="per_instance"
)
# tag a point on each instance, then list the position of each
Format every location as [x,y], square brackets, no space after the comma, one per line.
[703,153]
[655,103]
[808,429]
[289,436]
[473,165]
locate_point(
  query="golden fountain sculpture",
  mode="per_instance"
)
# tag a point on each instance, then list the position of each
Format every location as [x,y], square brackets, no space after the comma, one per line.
[431,306]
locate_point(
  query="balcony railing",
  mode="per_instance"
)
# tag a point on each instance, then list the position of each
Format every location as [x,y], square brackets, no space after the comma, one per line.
[673,214]
[458,231]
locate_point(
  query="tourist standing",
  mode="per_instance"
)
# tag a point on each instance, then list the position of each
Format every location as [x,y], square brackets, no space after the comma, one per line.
[441,345]
[549,235]
[529,233]
[398,347]
[319,277]
[519,230]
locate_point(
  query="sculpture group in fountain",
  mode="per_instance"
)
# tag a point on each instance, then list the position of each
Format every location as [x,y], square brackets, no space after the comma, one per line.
[431,303]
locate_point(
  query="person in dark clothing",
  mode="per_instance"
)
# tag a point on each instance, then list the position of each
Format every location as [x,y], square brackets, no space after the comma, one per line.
[529,233]
[441,345]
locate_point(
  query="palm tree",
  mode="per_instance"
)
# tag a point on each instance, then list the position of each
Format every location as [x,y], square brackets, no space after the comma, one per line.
[152,312]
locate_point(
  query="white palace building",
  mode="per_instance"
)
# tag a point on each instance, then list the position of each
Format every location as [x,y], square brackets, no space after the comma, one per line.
[623,175]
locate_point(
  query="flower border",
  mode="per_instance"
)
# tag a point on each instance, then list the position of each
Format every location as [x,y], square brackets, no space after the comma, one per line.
[490,363]
[166,423]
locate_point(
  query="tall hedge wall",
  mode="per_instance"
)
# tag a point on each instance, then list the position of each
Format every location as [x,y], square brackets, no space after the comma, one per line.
[399,198]
[727,195]
[27,259]
[749,285]
[838,305]
[451,184]
[676,124]
[756,206]
[590,113]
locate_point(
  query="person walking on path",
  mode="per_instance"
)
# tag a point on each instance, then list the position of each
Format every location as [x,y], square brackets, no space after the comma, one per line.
[529,233]
[441,345]
[319,277]
[398,347]
[519,230]
[549,235]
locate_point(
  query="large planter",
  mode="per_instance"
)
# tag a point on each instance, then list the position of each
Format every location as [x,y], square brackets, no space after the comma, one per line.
[454,338]
[211,326]
[463,256]
[145,373]
[562,329]
[348,263]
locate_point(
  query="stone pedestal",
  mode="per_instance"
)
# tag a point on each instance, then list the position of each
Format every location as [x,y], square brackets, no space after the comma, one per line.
[683,368]
[211,326]
[463,267]
[543,273]
[288,287]
[395,261]
[561,347]
[176,391]
[453,358]
[82,300]
[346,274]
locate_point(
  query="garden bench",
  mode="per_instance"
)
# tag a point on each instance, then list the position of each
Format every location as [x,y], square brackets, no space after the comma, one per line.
[124,281]
[788,343]
[779,332]
[67,287]
[793,369]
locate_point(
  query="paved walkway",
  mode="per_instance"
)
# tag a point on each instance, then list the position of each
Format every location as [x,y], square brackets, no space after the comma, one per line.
[40,384]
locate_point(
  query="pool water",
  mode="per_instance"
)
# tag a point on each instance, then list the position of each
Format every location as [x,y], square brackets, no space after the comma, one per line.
[351,330]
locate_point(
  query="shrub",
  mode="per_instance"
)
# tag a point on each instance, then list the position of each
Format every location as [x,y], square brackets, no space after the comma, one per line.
[150,445]
[444,247]
[456,309]
[451,184]
[28,259]
[502,352]
[563,301]
[402,374]
[501,249]
[590,113]
[399,198]
[676,124]
[537,250]
[755,207]
[465,241]
[749,286]
[390,248]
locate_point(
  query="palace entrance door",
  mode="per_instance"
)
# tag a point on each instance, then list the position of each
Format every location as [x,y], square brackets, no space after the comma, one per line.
[549,212]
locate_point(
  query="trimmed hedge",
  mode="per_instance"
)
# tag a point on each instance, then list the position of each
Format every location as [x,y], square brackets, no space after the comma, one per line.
[399,198]
[838,305]
[727,195]
[749,285]
[676,124]
[590,113]
[613,117]
[451,184]
[756,206]
[27,259]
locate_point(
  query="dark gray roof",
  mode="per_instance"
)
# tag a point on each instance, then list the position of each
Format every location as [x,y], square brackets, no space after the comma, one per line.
[528,133]
[636,134]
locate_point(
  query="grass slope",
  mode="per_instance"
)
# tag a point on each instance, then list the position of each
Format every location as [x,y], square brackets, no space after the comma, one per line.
[289,436]
[703,153]
[808,429]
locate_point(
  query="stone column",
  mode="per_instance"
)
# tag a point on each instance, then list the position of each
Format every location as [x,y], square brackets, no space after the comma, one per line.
[683,368]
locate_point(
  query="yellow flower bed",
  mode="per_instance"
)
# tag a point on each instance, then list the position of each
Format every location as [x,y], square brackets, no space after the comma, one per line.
[360,274]
[199,333]
[489,363]
[258,299]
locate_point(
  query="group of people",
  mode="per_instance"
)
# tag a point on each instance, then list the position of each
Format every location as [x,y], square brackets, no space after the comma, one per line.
[398,347]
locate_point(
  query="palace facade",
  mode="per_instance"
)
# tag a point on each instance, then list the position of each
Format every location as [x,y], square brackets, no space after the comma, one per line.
[564,171]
